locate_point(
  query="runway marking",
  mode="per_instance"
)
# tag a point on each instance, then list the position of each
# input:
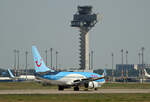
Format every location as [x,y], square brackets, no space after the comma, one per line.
[69,91]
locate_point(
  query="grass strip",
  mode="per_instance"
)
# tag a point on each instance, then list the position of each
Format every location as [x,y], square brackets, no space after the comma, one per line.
[76,98]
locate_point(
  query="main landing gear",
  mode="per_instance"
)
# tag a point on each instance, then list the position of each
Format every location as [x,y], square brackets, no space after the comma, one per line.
[60,88]
[95,89]
[76,88]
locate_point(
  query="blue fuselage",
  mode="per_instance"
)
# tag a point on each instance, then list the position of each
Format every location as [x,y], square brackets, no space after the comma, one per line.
[70,76]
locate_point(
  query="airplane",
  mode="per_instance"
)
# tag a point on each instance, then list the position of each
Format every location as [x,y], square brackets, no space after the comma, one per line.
[5,79]
[65,79]
[146,74]
[21,77]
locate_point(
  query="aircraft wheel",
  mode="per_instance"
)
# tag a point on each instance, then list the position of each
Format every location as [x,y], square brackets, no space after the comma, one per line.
[76,88]
[86,89]
[95,89]
[60,88]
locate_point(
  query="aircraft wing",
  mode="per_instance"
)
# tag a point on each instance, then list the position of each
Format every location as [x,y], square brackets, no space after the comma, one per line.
[86,80]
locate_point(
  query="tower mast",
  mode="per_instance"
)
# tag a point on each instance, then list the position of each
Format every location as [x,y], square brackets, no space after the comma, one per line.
[85,20]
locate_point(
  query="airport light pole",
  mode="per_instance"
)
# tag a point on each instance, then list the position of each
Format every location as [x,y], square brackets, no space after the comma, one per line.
[15,61]
[142,63]
[122,71]
[126,64]
[46,56]
[139,66]
[56,59]
[112,66]
[51,52]
[18,61]
[26,53]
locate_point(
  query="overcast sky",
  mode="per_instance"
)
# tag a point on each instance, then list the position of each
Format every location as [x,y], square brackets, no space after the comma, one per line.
[46,24]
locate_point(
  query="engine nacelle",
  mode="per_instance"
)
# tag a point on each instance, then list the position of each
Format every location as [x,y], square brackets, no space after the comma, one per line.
[93,84]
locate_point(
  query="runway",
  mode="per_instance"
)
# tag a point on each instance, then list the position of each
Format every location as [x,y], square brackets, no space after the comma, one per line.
[69,91]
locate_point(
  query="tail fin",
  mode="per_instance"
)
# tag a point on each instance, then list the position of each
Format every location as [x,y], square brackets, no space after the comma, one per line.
[104,73]
[38,61]
[146,74]
[10,73]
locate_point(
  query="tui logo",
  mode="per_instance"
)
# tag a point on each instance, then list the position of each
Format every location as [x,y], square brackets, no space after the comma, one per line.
[37,63]
[94,76]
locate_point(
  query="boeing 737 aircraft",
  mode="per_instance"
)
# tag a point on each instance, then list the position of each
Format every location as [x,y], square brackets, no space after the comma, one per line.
[21,77]
[65,79]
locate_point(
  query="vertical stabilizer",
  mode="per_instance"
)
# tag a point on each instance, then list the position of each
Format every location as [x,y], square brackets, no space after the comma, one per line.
[104,73]
[146,74]
[38,61]
[11,74]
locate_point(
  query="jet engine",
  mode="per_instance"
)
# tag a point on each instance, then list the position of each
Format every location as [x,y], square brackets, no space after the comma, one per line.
[92,84]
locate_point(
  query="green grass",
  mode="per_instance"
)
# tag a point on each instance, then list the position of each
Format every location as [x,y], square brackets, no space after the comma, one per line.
[77,98]
[23,85]
[34,85]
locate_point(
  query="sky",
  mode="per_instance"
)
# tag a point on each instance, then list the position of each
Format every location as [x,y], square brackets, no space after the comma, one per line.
[46,24]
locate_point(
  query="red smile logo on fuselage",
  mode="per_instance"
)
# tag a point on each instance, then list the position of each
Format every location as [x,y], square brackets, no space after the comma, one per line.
[37,64]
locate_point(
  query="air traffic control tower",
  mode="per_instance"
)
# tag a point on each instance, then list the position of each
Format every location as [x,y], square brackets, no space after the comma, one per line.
[84,19]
